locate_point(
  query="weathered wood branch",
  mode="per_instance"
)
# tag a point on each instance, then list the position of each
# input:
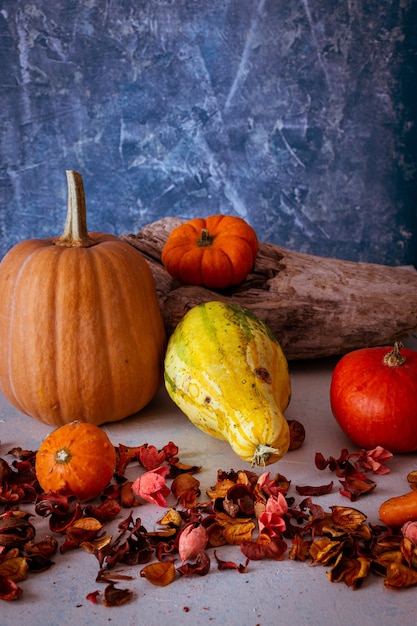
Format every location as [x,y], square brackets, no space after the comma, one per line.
[315,306]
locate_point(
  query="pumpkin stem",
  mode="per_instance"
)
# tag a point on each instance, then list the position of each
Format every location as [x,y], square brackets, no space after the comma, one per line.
[75,233]
[395,358]
[205,238]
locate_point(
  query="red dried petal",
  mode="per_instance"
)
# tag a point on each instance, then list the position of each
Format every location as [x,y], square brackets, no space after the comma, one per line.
[242,569]
[255,551]
[9,590]
[314,491]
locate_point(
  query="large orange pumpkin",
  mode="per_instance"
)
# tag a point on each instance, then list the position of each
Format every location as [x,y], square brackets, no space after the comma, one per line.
[81,331]
[216,252]
[77,459]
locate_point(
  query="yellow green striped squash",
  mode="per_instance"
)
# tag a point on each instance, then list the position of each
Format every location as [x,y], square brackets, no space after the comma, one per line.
[227,372]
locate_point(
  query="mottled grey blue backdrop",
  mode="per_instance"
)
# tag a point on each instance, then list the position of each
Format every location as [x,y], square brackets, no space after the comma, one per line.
[298,115]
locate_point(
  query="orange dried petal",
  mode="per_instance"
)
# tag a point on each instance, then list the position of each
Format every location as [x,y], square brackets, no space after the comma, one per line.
[159,574]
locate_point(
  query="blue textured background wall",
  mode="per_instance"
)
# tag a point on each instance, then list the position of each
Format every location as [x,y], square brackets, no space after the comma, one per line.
[298,116]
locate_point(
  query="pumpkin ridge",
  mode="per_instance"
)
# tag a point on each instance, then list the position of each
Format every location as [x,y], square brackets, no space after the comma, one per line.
[37,342]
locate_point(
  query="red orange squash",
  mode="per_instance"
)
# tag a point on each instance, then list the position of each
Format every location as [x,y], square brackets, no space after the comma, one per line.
[373,395]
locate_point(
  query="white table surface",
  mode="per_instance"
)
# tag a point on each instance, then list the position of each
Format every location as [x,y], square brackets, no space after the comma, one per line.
[271,592]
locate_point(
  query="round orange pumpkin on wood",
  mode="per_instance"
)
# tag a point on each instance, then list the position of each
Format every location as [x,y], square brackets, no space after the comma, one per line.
[81,330]
[77,459]
[216,252]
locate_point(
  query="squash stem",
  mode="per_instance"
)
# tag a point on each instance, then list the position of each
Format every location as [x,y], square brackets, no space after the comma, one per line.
[75,233]
[395,358]
[205,238]
[262,455]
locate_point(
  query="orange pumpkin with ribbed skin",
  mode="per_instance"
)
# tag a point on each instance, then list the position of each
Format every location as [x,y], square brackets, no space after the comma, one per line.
[81,331]
[78,459]
[216,252]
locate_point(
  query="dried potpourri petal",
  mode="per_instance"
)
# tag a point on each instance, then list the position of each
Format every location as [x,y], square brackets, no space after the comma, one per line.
[15,568]
[46,547]
[125,456]
[347,518]
[314,491]
[97,545]
[324,550]
[220,489]
[239,500]
[116,597]
[399,576]
[5,471]
[171,518]
[191,541]
[108,510]
[409,530]
[215,534]
[201,567]
[236,530]
[412,480]
[15,529]
[222,565]
[300,550]
[92,596]
[82,530]
[297,434]
[176,468]
[352,571]
[356,485]
[150,457]
[9,590]
[186,490]
[160,573]
[152,486]
[271,548]
[23,455]
[272,486]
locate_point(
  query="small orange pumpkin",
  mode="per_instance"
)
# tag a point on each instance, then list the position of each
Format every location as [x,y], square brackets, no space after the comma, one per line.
[77,458]
[81,330]
[216,252]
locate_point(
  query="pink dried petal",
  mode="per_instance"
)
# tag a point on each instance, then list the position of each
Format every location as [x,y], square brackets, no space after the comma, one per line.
[271,524]
[152,486]
[192,541]
[268,485]
[276,504]
[409,530]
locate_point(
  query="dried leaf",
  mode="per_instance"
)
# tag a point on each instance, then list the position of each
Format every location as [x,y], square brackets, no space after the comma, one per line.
[300,550]
[83,530]
[352,571]
[236,530]
[104,512]
[116,597]
[200,567]
[92,596]
[9,590]
[15,529]
[242,569]
[171,518]
[325,550]
[15,568]
[159,574]
[274,549]
[46,547]
[186,490]
[314,491]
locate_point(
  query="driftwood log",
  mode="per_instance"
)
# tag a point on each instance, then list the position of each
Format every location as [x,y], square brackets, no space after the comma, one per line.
[315,306]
